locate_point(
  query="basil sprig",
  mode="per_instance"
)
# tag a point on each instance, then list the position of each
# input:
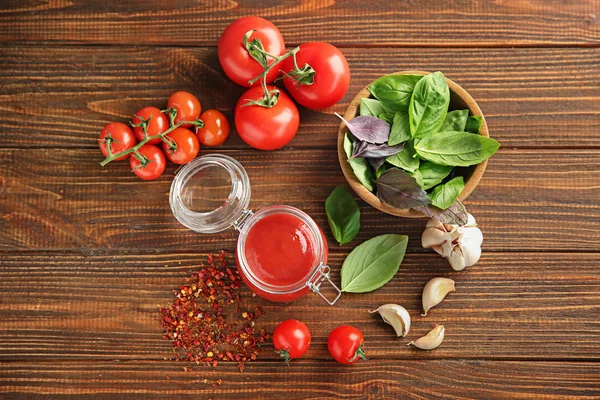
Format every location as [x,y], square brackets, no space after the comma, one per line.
[343,215]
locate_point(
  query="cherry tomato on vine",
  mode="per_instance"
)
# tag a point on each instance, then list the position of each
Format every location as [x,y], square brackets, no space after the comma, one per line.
[291,339]
[236,61]
[345,344]
[187,106]
[187,146]
[266,128]
[330,79]
[156,163]
[215,129]
[157,123]
[122,139]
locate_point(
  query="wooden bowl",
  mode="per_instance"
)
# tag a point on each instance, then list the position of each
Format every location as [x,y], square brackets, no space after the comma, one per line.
[459,100]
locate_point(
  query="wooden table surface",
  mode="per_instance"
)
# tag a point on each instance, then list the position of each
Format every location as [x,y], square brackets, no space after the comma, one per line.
[87,253]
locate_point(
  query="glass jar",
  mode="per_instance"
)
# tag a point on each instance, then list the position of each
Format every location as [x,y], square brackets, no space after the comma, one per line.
[212,193]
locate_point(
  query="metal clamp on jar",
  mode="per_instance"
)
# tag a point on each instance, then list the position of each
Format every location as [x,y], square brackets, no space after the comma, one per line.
[196,199]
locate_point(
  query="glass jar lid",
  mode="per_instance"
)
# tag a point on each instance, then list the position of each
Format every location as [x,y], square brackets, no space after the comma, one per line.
[210,194]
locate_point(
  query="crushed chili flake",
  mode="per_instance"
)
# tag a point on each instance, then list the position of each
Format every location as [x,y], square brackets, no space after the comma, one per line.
[206,321]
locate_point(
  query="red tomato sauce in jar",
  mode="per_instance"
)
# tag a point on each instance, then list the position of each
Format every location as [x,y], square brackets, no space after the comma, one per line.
[281,251]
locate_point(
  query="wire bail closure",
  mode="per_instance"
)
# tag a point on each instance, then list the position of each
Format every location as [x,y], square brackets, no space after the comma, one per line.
[320,275]
[239,223]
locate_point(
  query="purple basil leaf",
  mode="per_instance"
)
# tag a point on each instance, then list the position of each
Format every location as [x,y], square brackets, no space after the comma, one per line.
[370,150]
[368,129]
[456,214]
[376,162]
[398,189]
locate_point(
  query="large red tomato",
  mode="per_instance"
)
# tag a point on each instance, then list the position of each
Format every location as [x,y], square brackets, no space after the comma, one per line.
[235,60]
[331,77]
[266,128]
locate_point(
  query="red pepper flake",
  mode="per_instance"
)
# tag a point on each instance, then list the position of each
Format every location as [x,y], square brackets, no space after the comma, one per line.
[207,322]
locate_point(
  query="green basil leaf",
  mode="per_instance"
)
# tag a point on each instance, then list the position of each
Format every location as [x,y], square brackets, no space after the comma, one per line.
[406,159]
[373,263]
[394,91]
[456,148]
[387,117]
[456,214]
[400,129]
[473,124]
[444,195]
[455,121]
[399,189]
[372,107]
[431,174]
[343,215]
[361,169]
[418,177]
[428,105]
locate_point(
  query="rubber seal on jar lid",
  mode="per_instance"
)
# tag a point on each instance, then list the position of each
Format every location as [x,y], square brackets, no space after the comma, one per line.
[209,194]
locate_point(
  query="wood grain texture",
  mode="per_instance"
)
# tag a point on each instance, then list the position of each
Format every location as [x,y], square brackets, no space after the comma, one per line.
[63,96]
[62,199]
[525,306]
[461,379]
[189,22]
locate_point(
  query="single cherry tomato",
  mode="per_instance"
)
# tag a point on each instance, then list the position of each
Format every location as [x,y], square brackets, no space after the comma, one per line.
[330,80]
[155,166]
[266,128]
[345,344]
[238,64]
[187,146]
[122,138]
[215,129]
[187,106]
[157,123]
[291,339]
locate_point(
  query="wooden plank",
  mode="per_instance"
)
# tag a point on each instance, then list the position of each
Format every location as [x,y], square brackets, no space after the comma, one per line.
[505,23]
[374,379]
[510,306]
[63,97]
[62,199]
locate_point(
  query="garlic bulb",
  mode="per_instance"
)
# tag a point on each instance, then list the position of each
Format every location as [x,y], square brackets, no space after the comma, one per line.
[460,245]
[396,316]
[432,340]
[435,291]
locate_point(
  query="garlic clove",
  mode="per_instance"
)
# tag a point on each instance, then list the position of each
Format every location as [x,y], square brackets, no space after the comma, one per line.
[471,221]
[435,291]
[457,260]
[396,316]
[438,249]
[434,223]
[432,340]
[433,237]
[447,248]
[471,255]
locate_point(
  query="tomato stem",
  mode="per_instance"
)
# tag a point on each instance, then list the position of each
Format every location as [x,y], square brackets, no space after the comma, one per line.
[285,354]
[278,59]
[359,353]
[111,157]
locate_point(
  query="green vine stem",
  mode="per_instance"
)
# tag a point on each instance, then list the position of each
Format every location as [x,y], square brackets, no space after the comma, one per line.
[144,124]
[256,51]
